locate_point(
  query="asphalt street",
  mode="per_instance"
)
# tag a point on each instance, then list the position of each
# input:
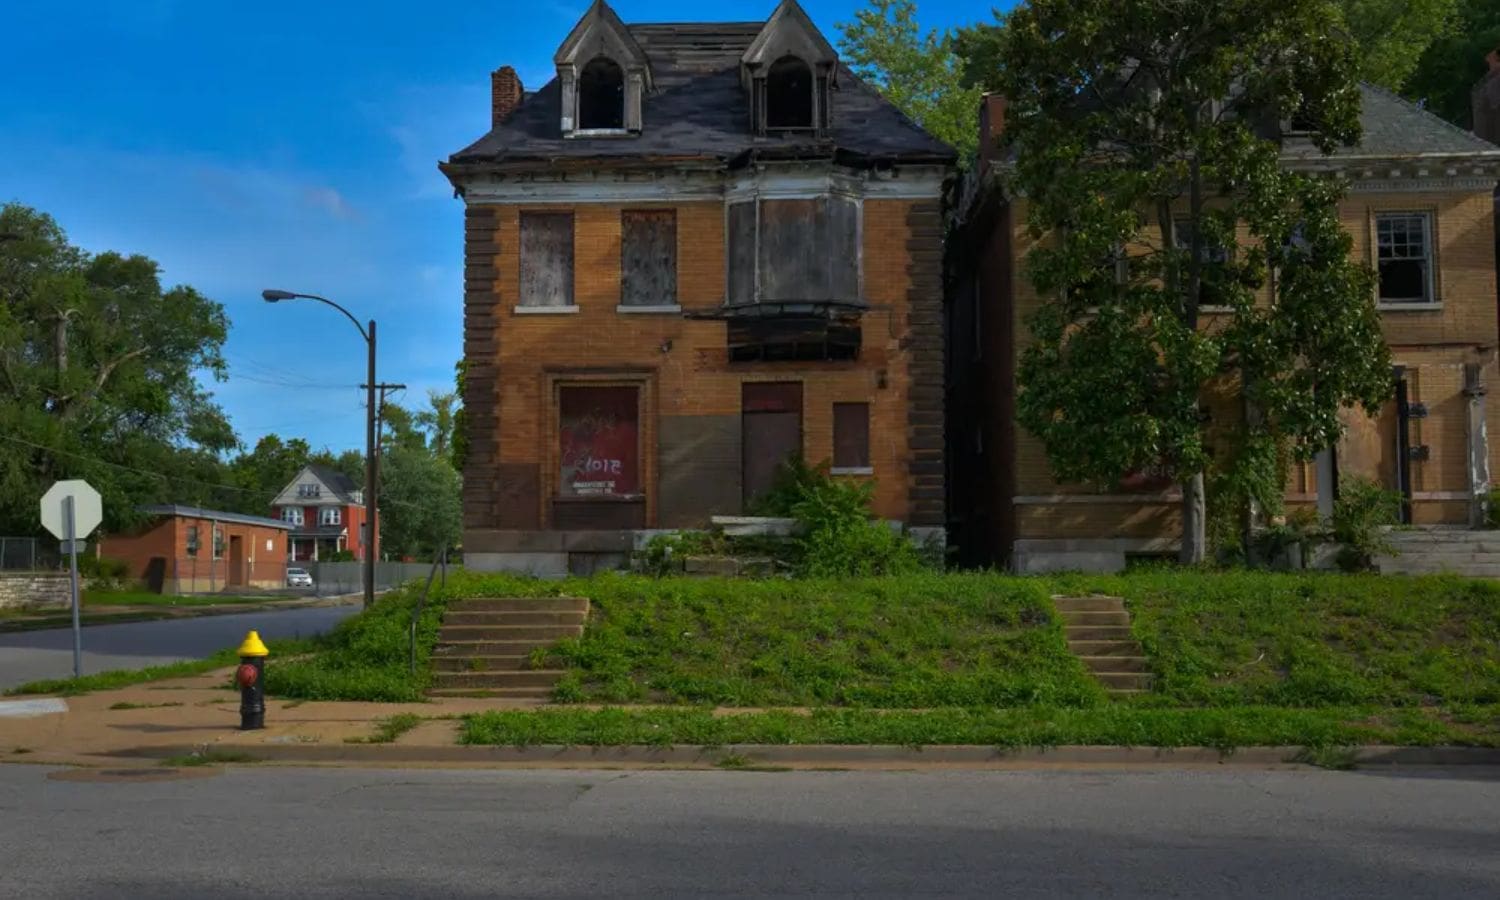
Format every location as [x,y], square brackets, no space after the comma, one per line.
[268,832]
[33,655]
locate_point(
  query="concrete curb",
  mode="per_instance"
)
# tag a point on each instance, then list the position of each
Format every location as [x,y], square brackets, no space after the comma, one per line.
[811,756]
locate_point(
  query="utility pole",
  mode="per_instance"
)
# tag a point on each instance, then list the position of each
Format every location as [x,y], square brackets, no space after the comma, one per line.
[376,417]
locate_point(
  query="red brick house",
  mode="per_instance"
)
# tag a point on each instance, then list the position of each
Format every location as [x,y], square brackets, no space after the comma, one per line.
[187,550]
[699,250]
[325,512]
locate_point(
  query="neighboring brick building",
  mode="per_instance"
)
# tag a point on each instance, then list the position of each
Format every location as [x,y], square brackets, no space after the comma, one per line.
[699,250]
[1420,210]
[325,511]
[187,550]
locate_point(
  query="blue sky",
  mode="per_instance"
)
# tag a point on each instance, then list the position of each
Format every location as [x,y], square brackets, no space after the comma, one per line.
[291,145]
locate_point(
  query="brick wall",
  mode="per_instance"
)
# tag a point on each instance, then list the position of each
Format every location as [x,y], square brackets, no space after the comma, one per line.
[516,361]
[157,554]
[1433,343]
[35,590]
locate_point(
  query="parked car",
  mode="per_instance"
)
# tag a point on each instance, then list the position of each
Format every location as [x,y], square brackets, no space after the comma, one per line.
[298,578]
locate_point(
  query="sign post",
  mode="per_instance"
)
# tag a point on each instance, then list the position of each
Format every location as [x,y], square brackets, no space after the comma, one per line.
[71,510]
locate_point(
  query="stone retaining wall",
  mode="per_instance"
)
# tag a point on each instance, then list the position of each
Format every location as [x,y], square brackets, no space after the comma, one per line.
[34,590]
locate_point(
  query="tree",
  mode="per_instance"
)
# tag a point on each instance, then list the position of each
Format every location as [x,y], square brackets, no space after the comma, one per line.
[419,502]
[97,374]
[460,419]
[1151,193]
[1393,35]
[437,421]
[1446,74]
[919,73]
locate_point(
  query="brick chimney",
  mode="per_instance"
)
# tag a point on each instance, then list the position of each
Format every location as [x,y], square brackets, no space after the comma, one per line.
[991,127]
[505,94]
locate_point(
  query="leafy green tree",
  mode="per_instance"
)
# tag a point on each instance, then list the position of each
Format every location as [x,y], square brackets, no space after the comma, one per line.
[919,73]
[419,502]
[460,420]
[398,428]
[1446,74]
[437,421]
[1152,193]
[1392,35]
[97,374]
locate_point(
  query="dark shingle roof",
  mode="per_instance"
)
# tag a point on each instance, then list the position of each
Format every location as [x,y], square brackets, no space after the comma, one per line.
[341,484]
[700,110]
[1394,127]
[194,512]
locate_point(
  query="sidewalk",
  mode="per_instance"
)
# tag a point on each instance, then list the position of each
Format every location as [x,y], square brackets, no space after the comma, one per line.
[143,725]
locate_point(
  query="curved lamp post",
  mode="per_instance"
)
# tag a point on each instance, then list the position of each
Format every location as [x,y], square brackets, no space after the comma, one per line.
[368,333]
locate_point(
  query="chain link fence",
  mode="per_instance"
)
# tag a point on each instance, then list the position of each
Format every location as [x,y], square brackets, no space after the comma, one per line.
[334,578]
[28,554]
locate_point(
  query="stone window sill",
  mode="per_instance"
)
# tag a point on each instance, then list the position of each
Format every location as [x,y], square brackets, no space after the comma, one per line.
[1409,307]
[664,309]
[545,310]
[852,470]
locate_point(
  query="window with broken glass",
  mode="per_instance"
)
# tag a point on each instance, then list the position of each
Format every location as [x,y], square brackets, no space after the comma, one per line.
[1404,254]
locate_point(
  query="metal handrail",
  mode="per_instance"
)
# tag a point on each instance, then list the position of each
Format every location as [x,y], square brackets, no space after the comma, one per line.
[441,561]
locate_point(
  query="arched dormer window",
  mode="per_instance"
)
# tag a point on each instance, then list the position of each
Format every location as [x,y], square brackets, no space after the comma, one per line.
[601,95]
[789,94]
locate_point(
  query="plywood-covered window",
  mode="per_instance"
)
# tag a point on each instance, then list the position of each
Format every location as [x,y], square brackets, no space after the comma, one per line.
[648,257]
[546,259]
[794,251]
[851,437]
[599,436]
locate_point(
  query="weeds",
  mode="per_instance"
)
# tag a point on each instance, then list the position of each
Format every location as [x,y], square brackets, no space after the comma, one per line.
[389,729]
[208,758]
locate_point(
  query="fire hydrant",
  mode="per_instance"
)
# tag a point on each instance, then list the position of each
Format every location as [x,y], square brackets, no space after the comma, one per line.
[251,678]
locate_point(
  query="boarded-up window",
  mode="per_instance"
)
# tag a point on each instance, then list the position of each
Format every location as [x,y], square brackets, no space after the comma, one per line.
[648,257]
[851,435]
[599,436]
[546,259]
[809,250]
[741,230]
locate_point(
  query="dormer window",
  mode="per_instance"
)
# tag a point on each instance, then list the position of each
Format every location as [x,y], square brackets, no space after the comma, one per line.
[789,71]
[601,96]
[603,76]
[789,94]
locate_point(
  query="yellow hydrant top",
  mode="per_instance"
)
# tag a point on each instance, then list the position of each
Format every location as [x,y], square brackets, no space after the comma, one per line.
[253,646]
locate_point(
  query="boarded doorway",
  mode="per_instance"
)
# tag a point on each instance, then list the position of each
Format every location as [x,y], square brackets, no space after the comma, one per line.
[236,575]
[772,427]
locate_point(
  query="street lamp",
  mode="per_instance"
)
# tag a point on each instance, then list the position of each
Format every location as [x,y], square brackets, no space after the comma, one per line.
[371,512]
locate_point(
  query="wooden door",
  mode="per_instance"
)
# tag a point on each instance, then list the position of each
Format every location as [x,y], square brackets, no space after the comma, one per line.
[771,429]
[236,560]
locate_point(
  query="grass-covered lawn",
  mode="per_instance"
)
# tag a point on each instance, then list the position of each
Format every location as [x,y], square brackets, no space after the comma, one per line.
[901,642]
[1303,640]
[1017,727]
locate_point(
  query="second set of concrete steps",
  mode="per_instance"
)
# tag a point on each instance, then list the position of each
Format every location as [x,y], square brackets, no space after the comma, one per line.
[1098,632]
[485,646]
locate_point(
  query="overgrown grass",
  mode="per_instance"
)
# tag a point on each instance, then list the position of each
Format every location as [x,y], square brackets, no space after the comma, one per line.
[1316,639]
[365,657]
[913,641]
[1016,727]
[208,758]
[118,678]
[387,730]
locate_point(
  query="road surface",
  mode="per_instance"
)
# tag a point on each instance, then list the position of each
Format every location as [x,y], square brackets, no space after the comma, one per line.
[33,655]
[269,832]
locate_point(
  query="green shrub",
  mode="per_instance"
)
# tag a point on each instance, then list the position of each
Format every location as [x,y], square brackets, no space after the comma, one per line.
[1361,510]
[366,656]
[1492,510]
[838,539]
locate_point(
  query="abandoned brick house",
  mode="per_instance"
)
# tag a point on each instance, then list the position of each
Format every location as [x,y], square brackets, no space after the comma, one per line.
[699,250]
[1421,211]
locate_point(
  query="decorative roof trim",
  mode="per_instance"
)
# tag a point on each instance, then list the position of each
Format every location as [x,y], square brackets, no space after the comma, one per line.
[788,26]
[917,182]
[613,40]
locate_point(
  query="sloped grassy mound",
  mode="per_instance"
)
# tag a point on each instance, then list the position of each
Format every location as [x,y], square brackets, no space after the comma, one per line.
[1316,639]
[896,642]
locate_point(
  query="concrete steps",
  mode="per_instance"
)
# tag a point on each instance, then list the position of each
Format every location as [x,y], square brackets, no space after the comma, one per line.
[1097,629]
[1455,551]
[485,646]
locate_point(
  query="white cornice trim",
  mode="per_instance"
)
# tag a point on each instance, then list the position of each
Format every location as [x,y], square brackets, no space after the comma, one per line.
[770,182]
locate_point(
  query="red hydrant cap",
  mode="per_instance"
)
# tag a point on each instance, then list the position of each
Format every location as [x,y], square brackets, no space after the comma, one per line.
[246,675]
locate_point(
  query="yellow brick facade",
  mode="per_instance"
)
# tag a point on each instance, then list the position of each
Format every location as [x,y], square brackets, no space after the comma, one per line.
[680,362]
[1433,343]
